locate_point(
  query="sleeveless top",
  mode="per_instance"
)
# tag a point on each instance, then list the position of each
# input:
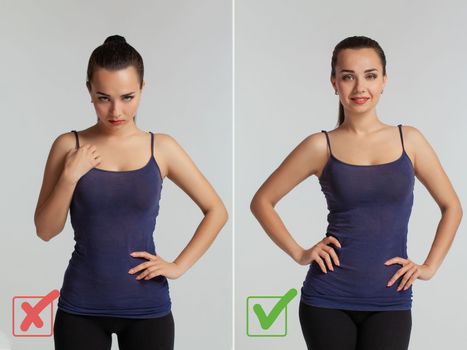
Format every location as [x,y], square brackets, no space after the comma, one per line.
[369,209]
[113,213]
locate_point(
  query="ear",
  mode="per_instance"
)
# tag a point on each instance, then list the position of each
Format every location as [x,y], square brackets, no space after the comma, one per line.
[88,85]
[333,82]
[385,79]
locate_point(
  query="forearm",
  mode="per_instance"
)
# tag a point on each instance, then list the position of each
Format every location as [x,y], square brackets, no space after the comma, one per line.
[51,216]
[203,237]
[444,237]
[275,228]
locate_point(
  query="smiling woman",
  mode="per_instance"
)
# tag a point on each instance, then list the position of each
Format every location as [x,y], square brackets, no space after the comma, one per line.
[115,282]
[357,293]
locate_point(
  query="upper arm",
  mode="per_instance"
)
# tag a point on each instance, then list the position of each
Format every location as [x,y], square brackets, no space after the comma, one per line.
[180,168]
[307,159]
[54,166]
[428,168]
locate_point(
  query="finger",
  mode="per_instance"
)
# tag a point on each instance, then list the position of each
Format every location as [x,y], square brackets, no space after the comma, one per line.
[146,273]
[333,240]
[139,267]
[406,278]
[141,254]
[333,254]
[399,273]
[412,279]
[153,274]
[396,260]
[320,262]
[327,258]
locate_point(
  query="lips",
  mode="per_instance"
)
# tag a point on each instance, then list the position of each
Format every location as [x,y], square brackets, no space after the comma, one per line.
[116,122]
[360,100]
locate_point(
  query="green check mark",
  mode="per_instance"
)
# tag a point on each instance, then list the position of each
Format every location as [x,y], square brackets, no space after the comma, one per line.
[266,321]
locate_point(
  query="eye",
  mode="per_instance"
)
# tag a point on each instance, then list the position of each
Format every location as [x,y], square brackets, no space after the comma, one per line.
[372,76]
[347,77]
[103,98]
[128,98]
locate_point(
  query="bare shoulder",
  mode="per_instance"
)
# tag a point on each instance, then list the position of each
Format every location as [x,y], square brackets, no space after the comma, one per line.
[166,151]
[164,141]
[63,143]
[315,144]
[308,158]
[418,147]
[414,138]
[411,131]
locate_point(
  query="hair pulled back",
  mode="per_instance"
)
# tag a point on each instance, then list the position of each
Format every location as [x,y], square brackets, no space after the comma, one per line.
[114,54]
[355,42]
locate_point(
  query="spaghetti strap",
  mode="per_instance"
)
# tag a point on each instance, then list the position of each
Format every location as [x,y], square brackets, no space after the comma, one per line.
[77,139]
[402,139]
[152,144]
[327,139]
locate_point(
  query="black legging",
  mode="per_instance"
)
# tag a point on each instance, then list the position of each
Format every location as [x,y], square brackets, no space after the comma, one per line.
[78,332]
[334,329]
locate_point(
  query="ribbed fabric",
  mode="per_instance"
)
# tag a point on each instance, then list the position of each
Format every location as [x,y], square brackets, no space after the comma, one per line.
[369,210]
[113,213]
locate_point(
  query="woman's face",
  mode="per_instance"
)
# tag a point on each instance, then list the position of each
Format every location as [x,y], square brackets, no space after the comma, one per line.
[359,79]
[115,95]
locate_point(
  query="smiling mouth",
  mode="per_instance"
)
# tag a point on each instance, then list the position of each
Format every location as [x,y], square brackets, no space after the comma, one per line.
[359,100]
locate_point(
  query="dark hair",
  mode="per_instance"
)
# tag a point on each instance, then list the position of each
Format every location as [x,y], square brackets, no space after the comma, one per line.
[114,54]
[355,42]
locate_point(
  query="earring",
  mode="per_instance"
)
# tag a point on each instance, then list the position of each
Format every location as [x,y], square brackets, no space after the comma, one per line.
[335,93]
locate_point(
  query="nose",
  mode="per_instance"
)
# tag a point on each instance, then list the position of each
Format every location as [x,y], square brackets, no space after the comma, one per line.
[116,109]
[359,85]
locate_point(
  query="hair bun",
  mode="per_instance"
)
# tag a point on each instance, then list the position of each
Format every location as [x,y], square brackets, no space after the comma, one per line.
[115,39]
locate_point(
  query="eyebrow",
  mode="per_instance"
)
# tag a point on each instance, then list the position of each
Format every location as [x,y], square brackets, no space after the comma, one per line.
[351,71]
[101,93]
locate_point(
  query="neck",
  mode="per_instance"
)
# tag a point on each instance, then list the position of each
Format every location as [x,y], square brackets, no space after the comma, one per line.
[361,123]
[118,132]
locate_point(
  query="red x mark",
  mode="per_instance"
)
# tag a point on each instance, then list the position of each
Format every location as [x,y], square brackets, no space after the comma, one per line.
[32,313]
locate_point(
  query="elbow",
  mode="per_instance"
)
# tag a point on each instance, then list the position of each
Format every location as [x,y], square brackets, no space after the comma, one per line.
[225,216]
[46,234]
[254,204]
[42,235]
[258,201]
[454,209]
[221,212]
[218,211]
[40,231]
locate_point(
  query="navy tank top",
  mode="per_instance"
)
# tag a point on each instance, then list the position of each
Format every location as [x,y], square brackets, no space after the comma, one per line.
[369,210]
[113,213]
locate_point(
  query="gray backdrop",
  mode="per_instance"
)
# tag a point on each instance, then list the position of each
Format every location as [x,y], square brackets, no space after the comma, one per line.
[282,53]
[187,51]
